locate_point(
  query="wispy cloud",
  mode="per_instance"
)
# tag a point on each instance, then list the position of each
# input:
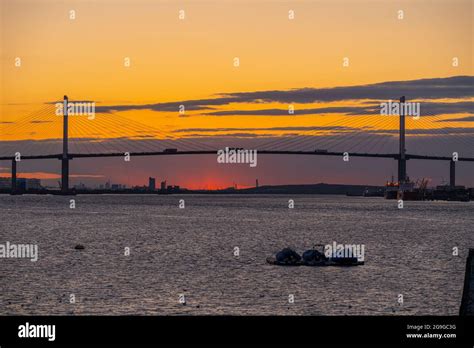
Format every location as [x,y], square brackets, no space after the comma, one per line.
[459,119]
[435,88]
[427,109]
[212,130]
[457,87]
[422,131]
[284,112]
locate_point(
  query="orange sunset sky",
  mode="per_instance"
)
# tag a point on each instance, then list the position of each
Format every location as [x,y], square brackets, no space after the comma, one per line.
[182,61]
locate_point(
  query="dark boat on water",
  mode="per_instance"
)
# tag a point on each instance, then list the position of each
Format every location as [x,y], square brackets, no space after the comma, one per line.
[407,190]
[339,261]
[312,257]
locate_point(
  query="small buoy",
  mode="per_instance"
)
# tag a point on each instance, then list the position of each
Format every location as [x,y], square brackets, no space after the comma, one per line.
[79,247]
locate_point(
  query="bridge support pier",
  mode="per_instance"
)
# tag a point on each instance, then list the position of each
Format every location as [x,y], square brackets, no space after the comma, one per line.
[402,170]
[64,176]
[452,174]
[13,178]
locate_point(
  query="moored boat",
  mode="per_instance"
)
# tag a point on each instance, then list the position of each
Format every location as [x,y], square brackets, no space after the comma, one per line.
[407,190]
[312,257]
[337,261]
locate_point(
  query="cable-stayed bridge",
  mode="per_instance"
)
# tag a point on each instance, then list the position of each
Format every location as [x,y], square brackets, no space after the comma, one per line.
[369,135]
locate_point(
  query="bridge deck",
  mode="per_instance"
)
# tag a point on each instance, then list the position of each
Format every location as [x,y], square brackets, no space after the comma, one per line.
[214,152]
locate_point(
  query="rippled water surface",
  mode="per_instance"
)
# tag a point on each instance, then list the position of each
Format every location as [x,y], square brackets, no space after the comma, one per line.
[191,251]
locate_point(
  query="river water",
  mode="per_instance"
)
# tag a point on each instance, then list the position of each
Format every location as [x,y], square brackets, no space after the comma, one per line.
[190,253]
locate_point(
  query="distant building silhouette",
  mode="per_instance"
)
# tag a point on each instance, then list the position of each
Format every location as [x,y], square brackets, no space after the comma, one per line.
[22,183]
[151,184]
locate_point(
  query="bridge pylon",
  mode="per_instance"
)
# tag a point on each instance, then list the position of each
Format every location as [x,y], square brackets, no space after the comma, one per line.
[65,155]
[402,162]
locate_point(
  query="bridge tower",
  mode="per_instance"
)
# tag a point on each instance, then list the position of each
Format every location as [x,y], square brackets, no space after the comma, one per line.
[65,156]
[402,163]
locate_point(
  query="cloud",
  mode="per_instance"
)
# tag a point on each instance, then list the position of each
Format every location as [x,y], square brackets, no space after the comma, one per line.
[86,175]
[39,121]
[456,87]
[49,175]
[355,110]
[235,135]
[33,175]
[460,119]
[190,105]
[212,130]
[422,131]
[441,108]
[426,109]
[435,88]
